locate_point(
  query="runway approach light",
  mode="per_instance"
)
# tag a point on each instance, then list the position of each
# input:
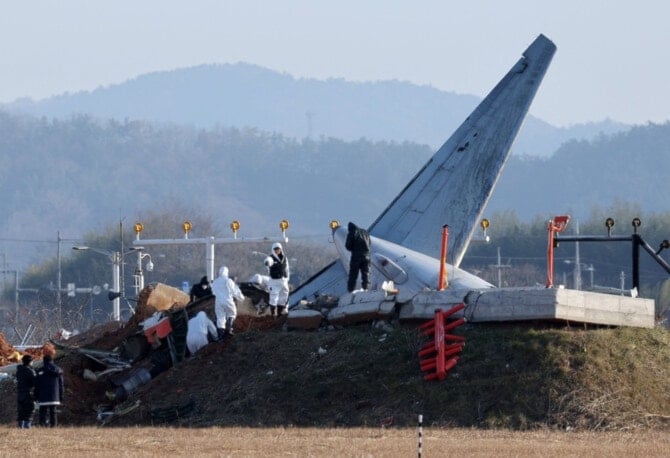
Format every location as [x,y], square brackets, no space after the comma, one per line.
[186,226]
[235,226]
[283,225]
[637,222]
[485,225]
[334,224]
[139,227]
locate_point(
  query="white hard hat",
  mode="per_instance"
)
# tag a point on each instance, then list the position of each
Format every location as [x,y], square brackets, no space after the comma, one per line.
[277,245]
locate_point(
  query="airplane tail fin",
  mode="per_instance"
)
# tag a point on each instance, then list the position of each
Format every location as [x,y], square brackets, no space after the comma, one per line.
[455,185]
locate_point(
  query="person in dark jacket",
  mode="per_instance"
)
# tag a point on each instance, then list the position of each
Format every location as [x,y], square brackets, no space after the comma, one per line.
[358,242]
[201,289]
[49,390]
[25,382]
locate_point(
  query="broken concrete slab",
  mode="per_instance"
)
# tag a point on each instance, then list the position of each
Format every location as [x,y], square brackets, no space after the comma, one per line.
[535,303]
[304,319]
[362,306]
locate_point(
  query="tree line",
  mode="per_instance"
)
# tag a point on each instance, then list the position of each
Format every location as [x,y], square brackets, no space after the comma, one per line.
[522,246]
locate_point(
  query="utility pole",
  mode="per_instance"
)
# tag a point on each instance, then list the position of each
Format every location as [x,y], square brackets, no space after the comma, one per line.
[16,290]
[59,279]
[122,286]
[4,267]
[578,262]
[116,284]
[500,266]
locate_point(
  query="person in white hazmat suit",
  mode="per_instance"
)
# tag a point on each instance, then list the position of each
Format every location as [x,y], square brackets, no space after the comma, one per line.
[226,291]
[200,327]
[277,264]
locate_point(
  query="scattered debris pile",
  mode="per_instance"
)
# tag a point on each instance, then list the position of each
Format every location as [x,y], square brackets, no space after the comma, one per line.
[106,364]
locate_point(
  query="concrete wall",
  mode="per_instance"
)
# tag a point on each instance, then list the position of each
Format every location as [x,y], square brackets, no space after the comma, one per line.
[517,304]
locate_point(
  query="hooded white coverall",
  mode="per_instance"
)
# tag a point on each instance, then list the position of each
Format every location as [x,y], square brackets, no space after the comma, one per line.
[226,291]
[279,271]
[198,328]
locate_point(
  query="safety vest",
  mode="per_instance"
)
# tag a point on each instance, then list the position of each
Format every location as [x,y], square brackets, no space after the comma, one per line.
[278,269]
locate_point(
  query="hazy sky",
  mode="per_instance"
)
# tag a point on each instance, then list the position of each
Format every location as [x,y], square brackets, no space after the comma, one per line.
[612,59]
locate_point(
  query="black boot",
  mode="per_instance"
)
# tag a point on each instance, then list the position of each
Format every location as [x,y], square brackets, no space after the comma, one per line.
[273,311]
[229,325]
[280,310]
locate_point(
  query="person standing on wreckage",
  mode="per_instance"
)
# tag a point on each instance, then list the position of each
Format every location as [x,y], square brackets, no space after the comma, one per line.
[358,242]
[277,264]
[226,292]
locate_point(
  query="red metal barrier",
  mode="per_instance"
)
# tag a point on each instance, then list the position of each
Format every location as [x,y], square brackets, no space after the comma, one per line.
[438,357]
[442,280]
[555,226]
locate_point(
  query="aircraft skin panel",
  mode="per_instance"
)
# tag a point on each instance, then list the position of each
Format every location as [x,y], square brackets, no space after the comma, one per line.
[455,185]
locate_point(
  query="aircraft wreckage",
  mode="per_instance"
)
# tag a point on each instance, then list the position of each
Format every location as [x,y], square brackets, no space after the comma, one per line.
[407,280]
[452,189]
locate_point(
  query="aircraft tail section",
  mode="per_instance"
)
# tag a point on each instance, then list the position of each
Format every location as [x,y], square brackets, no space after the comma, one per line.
[455,185]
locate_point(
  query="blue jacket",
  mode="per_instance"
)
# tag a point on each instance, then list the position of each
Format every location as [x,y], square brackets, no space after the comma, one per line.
[49,387]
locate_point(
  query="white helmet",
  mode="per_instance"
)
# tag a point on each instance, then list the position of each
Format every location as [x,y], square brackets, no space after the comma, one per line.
[223,271]
[268,261]
[277,245]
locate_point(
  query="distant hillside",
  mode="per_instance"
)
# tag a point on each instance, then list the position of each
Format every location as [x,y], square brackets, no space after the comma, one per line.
[581,175]
[78,175]
[244,95]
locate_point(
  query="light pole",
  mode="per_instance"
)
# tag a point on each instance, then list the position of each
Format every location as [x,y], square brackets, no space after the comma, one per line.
[209,242]
[115,257]
[578,272]
[59,284]
[139,274]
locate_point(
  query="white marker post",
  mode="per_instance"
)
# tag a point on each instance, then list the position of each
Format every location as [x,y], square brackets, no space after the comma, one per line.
[420,435]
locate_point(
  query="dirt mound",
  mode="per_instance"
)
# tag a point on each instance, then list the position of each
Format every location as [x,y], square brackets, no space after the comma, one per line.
[10,355]
[509,376]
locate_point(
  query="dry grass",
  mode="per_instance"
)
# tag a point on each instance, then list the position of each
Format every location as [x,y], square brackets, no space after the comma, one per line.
[326,442]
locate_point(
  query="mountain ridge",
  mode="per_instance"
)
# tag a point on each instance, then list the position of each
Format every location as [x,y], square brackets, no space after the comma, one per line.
[245,95]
